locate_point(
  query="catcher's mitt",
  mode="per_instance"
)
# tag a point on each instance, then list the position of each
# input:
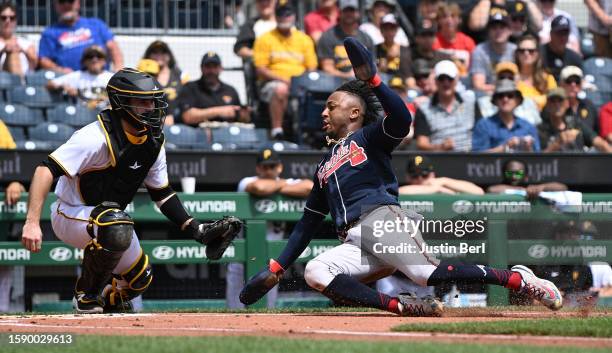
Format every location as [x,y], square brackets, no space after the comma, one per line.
[218,235]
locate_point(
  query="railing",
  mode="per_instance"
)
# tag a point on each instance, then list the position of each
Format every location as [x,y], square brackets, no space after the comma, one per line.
[254,250]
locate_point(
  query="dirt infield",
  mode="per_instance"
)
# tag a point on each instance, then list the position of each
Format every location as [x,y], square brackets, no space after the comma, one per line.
[334,325]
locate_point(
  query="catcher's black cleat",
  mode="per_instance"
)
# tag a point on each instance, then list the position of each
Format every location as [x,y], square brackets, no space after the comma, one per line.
[123,307]
[88,303]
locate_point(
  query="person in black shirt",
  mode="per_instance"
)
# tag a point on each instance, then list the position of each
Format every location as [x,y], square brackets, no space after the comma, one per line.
[210,99]
[392,57]
[555,54]
[580,108]
[561,131]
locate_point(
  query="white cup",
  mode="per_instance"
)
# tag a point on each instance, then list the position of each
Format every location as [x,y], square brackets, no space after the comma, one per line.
[188,184]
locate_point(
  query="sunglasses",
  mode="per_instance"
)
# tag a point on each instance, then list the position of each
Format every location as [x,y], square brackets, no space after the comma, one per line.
[65,1]
[505,95]
[575,80]
[421,174]
[526,50]
[555,99]
[444,78]
[518,18]
[505,77]
[8,18]
[268,166]
[514,174]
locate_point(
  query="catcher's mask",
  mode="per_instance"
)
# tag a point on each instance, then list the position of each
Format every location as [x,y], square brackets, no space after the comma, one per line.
[129,83]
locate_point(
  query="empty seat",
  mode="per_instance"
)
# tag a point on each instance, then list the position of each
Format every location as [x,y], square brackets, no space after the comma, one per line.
[181,136]
[236,137]
[597,66]
[74,115]
[52,132]
[36,145]
[41,77]
[316,81]
[33,96]
[19,115]
[8,80]
[599,98]
[17,133]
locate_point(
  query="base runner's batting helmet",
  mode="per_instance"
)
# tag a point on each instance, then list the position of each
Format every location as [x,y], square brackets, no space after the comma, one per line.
[129,83]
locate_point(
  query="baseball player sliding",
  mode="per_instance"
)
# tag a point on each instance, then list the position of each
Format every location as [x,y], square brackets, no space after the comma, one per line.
[355,183]
[100,168]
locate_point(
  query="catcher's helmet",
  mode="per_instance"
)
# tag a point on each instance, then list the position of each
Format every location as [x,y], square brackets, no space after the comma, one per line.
[130,83]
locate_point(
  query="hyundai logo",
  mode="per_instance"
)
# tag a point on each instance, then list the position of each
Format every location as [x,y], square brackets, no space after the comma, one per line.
[163,252]
[60,254]
[265,206]
[538,251]
[463,206]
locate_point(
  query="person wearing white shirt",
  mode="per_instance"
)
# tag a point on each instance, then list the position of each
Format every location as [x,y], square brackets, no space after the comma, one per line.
[17,54]
[266,182]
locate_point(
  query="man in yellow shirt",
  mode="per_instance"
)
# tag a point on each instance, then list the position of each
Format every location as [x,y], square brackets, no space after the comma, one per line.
[279,55]
[6,139]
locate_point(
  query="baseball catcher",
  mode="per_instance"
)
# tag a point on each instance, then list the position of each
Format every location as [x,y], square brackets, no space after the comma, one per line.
[354,182]
[100,168]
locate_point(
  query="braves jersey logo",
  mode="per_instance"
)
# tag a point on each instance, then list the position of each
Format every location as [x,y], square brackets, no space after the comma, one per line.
[353,154]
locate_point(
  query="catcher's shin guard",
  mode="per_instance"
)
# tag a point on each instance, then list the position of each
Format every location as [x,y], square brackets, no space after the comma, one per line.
[138,278]
[112,231]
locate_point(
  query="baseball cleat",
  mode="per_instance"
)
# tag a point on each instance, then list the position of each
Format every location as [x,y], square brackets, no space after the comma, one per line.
[539,289]
[411,305]
[123,307]
[88,304]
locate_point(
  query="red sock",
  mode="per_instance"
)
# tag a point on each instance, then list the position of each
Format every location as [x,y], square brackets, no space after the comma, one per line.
[393,306]
[514,281]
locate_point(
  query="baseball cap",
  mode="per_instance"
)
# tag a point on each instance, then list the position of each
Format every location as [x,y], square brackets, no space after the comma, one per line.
[149,66]
[268,156]
[446,67]
[423,27]
[388,19]
[284,10]
[560,23]
[506,66]
[211,58]
[397,82]
[419,165]
[517,8]
[421,67]
[557,92]
[345,4]
[498,15]
[371,3]
[570,71]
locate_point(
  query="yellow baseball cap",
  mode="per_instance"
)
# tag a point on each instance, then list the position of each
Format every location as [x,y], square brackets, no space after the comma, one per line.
[149,66]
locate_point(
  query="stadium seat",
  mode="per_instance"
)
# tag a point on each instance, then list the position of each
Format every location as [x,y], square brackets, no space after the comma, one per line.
[19,115]
[8,80]
[236,137]
[181,136]
[280,146]
[587,47]
[33,96]
[599,98]
[316,81]
[17,133]
[597,66]
[52,132]
[603,82]
[36,145]
[74,115]
[41,77]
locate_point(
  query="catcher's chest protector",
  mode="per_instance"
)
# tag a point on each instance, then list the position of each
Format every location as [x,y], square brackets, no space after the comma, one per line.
[119,182]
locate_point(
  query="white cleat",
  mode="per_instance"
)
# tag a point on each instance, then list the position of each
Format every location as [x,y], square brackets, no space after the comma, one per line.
[88,304]
[539,289]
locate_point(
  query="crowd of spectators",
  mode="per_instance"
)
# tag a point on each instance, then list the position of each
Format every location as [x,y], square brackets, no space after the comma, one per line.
[482,75]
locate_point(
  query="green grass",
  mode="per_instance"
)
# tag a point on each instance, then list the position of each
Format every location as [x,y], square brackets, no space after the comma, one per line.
[110,344]
[585,327]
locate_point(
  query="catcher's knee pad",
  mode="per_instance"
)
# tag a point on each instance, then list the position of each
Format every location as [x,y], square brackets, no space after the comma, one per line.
[111,227]
[138,278]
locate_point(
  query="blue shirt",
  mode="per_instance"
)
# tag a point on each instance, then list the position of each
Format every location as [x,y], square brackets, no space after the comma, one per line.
[492,132]
[64,44]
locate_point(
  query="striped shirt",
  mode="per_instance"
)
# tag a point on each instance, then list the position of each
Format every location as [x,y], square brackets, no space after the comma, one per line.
[434,121]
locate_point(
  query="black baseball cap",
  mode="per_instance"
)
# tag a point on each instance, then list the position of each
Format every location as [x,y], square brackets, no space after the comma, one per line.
[211,58]
[421,67]
[517,8]
[419,165]
[284,10]
[560,23]
[268,156]
[423,28]
[498,15]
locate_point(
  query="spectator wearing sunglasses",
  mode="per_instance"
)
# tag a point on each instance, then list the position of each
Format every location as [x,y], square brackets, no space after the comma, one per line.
[17,54]
[555,54]
[62,44]
[504,131]
[515,178]
[581,109]
[88,85]
[421,179]
[445,122]
[550,13]
[562,132]
[533,81]
[527,110]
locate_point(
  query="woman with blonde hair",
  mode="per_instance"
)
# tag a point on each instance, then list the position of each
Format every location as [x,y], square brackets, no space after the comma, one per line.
[533,81]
